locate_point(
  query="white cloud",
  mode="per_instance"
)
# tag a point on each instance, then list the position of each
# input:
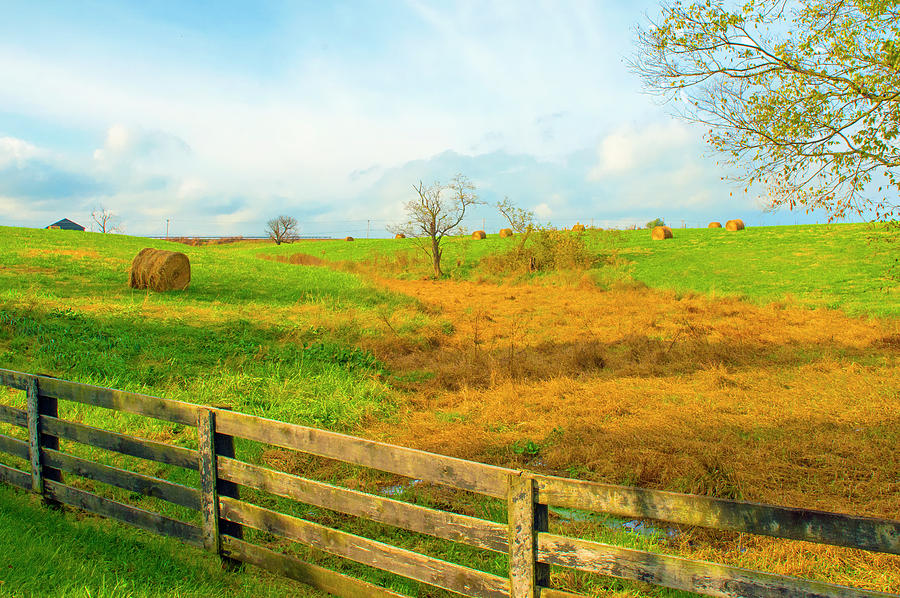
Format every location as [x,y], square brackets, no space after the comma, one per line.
[13,210]
[192,188]
[118,138]
[542,210]
[629,148]
[235,219]
[16,152]
[217,136]
[127,146]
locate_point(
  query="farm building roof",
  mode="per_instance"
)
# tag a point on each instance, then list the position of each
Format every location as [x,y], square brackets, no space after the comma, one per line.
[66,224]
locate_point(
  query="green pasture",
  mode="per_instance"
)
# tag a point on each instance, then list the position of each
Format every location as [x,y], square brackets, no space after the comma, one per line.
[843,266]
[284,341]
[851,267]
[45,552]
[255,335]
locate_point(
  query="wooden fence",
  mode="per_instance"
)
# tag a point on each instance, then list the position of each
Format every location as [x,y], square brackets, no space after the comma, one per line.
[525,538]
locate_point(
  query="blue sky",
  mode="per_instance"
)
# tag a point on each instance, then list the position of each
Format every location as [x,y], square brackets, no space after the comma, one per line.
[220,115]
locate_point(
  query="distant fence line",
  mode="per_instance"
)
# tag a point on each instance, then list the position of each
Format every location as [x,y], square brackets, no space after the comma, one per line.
[353,229]
[524,537]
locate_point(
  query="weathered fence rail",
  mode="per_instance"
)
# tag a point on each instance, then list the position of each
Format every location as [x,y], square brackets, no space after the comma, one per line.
[525,537]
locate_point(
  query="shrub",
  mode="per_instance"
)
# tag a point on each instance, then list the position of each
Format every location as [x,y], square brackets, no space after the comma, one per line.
[548,250]
[655,223]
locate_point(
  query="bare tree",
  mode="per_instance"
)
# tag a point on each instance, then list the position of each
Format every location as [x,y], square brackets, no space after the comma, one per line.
[522,221]
[282,229]
[106,221]
[436,211]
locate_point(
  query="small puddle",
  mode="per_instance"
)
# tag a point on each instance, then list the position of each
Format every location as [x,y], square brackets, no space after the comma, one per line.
[399,488]
[635,526]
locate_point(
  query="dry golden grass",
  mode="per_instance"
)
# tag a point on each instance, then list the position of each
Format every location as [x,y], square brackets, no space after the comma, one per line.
[298,259]
[712,396]
[80,254]
[74,253]
[21,269]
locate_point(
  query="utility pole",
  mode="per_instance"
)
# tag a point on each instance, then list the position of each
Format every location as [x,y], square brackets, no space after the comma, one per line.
[167,229]
[368,222]
[482,224]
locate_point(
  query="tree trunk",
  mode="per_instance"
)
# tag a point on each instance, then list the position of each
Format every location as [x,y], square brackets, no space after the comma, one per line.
[436,257]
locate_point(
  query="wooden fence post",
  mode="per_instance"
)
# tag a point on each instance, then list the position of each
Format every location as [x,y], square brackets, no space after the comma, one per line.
[525,518]
[209,495]
[36,406]
[32,396]
[541,524]
[213,445]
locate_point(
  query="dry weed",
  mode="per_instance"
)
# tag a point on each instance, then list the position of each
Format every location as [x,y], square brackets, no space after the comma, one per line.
[693,394]
[712,396]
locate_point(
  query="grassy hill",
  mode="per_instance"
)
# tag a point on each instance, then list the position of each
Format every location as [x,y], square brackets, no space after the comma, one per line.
[255,329]
[841,266]
[626,356]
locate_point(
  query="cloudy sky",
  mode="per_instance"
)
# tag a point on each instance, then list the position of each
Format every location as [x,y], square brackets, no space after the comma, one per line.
[220,115]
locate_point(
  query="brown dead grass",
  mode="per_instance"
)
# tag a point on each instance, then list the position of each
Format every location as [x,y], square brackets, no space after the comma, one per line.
[73,253]
[298,259]
[22,269]
[712,396]
[201,242]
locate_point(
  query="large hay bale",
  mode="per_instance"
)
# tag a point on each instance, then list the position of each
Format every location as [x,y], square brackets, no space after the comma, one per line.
[505,232]
[661,232]
[160,270]
[578,228]
[479,234]
[734,225]
[399,236]
[714,225]
[349,239]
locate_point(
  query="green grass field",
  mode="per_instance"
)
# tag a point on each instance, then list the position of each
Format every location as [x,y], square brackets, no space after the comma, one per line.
[841,266]
[285,342]
[48,553]
[252,334]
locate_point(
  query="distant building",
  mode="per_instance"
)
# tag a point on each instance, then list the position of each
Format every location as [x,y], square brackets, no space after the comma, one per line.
[66,224]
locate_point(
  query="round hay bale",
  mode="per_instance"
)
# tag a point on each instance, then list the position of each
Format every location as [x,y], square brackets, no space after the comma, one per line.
[714,225]
[399,236]
[160,270]
[349,239]
[479,234]
[578,228]
[661,232]
[505,232]
[734,225]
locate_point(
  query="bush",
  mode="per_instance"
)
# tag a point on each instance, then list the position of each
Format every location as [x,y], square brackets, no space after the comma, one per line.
[655,223]
[548,250]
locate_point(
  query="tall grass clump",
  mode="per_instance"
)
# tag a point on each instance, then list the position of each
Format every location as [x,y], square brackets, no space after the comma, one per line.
[546,250]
